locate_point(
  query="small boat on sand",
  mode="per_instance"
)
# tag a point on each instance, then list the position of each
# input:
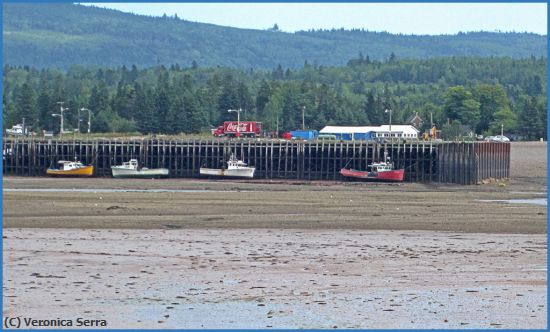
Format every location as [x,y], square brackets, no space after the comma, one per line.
[71,169]
[131,169]
[235,168]
[382,171]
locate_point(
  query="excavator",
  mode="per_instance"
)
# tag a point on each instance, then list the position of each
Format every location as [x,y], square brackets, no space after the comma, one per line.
[431,134]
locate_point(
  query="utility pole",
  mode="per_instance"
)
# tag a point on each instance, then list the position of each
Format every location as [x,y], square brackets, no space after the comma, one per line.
[238,120]
[62,109]
[501,130]
[277,125]
[89,118]
[78,120]
[388,110]
[303,118]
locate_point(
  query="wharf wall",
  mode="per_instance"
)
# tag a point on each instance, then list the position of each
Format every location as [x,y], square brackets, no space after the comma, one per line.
[444,162]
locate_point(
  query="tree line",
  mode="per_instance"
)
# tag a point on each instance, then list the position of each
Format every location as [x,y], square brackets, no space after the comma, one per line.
[479,94]
[49,35]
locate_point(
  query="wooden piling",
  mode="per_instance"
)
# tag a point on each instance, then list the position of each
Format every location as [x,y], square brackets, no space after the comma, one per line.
[451,162]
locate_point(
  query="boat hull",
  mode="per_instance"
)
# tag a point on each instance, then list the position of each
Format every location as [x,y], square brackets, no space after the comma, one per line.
[247,172]
[389,176]
[154,173]
[85,171]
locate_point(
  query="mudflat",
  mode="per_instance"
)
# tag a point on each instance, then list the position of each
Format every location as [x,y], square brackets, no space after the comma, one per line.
[280,278]
[183,203]
[283,254]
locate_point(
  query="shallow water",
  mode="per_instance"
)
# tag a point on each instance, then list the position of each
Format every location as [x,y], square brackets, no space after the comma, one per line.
[533,201]
[84,190]
[528,193]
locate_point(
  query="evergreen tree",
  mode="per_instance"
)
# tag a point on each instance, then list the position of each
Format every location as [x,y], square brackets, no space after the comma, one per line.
[291,107]
[100,108]
[122,102]
[133,74]
[262,97]
[45,108]
[179,115]
[25,105]
[229,100]
[278,74]
[529,122]
[246,102]
[273,112]
[8,114]
[370,108]
[534,86]
[145,117]
[378,116]
[162,111]
[197,117]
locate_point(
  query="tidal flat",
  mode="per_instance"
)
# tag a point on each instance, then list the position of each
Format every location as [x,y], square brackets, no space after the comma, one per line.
[181,253]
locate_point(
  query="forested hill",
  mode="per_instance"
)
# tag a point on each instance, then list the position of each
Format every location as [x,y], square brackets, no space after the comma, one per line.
[60,35]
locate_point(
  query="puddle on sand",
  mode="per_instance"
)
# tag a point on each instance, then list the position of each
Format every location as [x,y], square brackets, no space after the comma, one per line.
[532,201]
[232,315]
[528,193]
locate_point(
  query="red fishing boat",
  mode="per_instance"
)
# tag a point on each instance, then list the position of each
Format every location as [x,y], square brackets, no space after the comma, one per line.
[382,171]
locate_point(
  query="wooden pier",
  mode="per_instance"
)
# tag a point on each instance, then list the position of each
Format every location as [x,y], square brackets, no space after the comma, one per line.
[445,162]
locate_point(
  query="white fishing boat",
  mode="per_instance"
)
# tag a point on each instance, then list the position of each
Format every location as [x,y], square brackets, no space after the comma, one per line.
[235,168]
[131,169]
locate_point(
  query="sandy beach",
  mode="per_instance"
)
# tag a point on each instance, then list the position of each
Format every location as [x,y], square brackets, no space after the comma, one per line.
[180,253]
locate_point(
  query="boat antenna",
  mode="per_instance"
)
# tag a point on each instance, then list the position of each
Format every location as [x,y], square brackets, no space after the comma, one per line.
[349,161]
[94,159]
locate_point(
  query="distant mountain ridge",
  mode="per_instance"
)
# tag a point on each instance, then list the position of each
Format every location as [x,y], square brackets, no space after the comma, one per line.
[61,35]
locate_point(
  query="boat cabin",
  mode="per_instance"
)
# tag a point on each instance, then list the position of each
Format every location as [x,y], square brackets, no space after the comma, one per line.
[66,165]
[132,164]
[233,163]
[381,167]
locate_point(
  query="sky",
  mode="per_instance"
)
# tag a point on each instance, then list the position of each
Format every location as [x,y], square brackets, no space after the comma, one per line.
[409,18]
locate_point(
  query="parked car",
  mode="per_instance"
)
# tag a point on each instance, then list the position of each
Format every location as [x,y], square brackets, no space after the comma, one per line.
[497,138]
[328,137]
[286,135]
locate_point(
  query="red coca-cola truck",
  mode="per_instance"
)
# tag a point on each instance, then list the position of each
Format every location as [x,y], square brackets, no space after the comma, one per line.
[246,129]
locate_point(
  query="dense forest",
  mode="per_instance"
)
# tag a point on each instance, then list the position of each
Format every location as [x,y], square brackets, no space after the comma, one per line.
[479,93]
[57,35]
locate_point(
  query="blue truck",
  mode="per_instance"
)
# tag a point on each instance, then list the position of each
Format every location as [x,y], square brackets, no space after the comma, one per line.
[304,134]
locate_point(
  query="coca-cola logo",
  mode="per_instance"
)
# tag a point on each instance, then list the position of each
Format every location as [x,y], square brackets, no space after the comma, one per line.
[233,127]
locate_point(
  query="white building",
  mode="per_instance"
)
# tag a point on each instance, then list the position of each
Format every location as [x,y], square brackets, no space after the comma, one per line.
[398,131]
[371,132]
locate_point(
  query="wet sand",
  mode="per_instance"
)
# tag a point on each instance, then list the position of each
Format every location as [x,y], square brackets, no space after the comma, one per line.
[277,278]
[280,254]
